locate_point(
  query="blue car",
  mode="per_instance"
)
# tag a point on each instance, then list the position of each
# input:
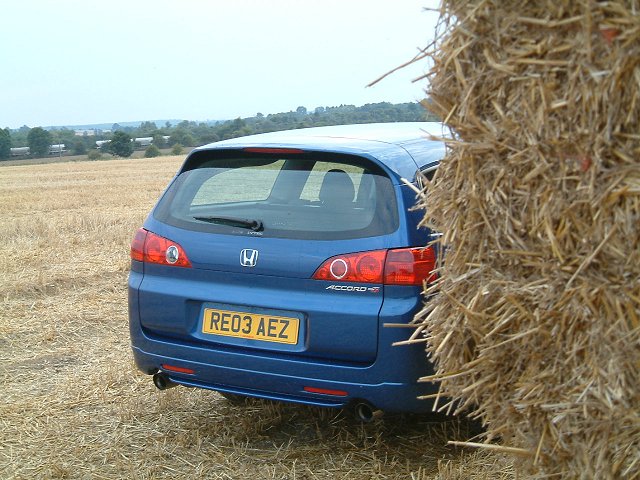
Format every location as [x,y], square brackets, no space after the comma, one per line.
[284,265]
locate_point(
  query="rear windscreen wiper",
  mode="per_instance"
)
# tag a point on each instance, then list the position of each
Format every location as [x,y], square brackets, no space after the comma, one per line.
[255,225]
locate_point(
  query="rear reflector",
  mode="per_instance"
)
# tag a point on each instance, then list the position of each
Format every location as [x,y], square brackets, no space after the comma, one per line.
[326,391]
[151,248]
[173,368]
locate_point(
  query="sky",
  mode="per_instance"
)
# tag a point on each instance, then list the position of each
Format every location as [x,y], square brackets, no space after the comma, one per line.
[73,62]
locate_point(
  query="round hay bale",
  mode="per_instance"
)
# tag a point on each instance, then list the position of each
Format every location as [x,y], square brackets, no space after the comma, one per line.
[536,325]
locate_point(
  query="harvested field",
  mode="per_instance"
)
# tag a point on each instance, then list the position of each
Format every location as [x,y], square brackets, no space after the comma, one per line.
[75,407]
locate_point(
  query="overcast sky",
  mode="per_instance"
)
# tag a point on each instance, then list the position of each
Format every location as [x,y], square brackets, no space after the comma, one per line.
[69,62]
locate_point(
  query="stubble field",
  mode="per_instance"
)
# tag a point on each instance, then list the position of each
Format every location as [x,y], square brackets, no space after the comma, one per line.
[73,404]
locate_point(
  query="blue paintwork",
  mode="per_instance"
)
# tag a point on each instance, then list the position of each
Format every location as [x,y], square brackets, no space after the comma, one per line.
[343,343]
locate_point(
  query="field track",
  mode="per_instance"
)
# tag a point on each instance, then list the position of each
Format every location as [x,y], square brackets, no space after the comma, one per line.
[73,405]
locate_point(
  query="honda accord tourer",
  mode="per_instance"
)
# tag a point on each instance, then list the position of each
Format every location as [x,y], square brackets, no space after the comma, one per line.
[284,265]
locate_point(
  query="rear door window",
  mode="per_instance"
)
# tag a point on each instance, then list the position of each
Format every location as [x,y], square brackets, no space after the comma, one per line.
[310,196]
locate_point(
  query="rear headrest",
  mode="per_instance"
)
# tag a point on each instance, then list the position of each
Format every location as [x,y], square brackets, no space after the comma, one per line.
[337,188]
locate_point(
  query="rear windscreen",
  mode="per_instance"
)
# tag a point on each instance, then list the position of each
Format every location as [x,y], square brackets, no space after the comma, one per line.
[305,196]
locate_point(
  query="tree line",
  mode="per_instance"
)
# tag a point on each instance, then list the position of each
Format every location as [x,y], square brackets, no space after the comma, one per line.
[191,134]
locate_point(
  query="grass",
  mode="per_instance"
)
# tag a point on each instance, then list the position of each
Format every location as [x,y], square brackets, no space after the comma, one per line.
[74,406]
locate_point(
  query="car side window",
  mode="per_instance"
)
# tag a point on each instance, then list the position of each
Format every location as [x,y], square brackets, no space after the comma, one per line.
[426,173]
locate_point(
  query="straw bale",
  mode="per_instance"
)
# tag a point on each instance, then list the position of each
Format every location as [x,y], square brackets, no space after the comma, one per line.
[535,328]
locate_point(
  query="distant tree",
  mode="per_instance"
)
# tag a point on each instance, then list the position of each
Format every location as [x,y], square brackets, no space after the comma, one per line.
[120,144]
[177,136]
[177,149]
[207,137]
[64,135]
[19,137]
[182,136]
[5,143]
[186,124]
[158,140]
[39,140]
[192,133]
[79,147]
[94,154]
[231,128]
[151,151]
[147,128]
[189,140]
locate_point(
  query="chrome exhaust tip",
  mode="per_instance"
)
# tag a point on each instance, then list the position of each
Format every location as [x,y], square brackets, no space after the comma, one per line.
[367,413]
[162,381]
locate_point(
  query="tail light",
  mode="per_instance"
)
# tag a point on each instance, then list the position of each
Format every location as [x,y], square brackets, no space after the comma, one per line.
[410,266]
[363,267]
[402,266]
[151,248]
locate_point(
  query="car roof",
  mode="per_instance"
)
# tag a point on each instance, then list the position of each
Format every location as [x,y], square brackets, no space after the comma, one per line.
[395,133]
[402,147]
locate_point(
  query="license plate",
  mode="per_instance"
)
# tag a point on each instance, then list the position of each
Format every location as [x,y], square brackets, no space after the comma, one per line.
[252,326]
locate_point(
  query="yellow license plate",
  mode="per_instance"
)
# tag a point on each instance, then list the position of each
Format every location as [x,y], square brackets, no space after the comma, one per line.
[253,326]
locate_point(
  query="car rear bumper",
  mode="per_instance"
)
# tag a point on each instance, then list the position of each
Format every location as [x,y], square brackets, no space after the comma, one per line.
[286,379]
